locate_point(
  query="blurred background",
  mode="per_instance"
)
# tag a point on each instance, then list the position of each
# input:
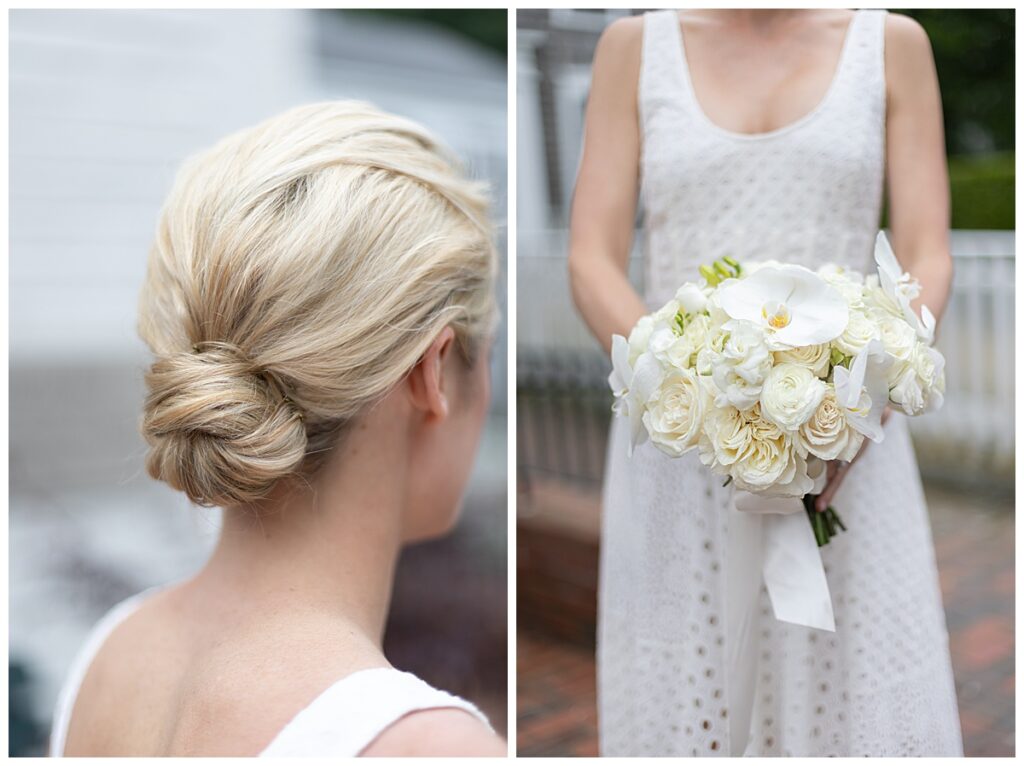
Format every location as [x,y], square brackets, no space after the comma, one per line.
[104,105]
[966,451]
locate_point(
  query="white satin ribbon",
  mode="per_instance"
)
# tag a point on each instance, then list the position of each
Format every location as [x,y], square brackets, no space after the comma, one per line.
[769,538]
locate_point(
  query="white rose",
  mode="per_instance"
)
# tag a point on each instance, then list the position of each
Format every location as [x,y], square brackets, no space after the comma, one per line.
[826,434]
[691,298]
[739,369]
[790,395]
[860,331]
[898,337]
[816,358]
[674,417]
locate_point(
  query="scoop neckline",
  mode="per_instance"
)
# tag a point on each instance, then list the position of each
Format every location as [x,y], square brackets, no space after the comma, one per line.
[800,121]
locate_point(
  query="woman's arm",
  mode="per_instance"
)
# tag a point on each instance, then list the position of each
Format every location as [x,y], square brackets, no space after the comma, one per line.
[604,202]
[918,178]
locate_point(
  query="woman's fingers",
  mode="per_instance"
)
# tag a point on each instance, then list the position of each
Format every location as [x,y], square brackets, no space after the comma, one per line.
[836,471]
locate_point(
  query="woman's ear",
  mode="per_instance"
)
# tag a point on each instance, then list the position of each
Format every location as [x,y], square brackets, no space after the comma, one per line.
[427,381]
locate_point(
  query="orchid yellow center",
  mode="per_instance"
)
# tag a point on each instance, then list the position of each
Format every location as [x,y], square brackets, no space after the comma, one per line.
[776,314]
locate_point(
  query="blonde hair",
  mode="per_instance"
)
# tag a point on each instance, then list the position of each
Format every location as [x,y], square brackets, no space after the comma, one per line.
[300,269]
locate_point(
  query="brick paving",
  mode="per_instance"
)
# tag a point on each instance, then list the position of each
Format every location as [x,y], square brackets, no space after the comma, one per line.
[974,543]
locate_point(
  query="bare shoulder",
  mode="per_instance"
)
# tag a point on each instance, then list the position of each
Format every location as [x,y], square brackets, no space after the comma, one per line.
[620,41]
[438,732]
[908,50]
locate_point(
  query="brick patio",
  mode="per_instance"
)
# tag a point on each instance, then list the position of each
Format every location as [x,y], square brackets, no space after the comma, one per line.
[974,541]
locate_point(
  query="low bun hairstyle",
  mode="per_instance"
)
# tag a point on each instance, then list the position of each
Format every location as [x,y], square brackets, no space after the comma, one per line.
[300,269]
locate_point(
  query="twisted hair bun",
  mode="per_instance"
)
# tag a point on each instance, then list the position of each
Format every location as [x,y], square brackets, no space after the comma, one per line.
[300,269]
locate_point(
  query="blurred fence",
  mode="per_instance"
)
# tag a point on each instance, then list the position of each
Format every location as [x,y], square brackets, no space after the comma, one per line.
[564,404]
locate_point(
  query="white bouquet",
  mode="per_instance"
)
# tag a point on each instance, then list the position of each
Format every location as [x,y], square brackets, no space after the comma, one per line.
[770,369]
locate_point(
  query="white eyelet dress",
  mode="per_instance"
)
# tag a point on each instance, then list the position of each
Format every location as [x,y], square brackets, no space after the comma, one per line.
[342,721]
[882,683]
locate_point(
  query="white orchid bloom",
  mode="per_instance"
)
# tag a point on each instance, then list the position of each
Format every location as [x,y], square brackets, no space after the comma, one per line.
[863,390]
[633,386]
[793,305]
[901,289]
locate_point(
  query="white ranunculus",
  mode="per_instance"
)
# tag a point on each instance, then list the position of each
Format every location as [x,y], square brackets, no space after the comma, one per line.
[826,434]
[790,395]
[791,304]
[739,369]
[860,330]
[675,415]
[691,298]
[863,390]
[816,358]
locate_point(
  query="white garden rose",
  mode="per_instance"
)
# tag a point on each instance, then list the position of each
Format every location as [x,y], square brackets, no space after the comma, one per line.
[860,331]
[769,465]
[739,369]
[827,434]
[790,395]
[816,358]
[727,437]
[675,415]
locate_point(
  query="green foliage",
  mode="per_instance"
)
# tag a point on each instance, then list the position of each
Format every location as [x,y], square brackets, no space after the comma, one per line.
[486,26]
[974,58]
[981,190]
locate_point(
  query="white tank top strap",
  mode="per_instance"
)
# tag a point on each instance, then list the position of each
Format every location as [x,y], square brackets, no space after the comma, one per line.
[343,720]
[83,659]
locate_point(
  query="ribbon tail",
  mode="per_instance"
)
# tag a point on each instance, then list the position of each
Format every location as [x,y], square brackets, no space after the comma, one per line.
[745,546]
[794,574]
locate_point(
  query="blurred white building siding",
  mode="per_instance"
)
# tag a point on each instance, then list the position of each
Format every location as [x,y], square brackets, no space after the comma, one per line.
[105,105]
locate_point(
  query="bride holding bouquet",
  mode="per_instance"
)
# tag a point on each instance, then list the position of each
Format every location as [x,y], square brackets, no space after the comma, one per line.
[752,136]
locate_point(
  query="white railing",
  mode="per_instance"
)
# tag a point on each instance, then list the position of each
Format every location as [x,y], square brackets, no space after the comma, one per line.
[970,439]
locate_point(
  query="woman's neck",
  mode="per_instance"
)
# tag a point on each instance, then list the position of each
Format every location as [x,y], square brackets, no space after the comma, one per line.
[331,549]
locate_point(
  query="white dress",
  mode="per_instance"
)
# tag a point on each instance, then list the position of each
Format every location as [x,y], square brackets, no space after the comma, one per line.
[340,722]
[882,683]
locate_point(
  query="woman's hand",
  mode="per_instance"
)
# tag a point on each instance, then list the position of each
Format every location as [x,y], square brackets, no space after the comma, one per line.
[836,471]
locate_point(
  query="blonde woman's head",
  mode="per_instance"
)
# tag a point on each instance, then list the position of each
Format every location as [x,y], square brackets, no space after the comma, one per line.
[301,269]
